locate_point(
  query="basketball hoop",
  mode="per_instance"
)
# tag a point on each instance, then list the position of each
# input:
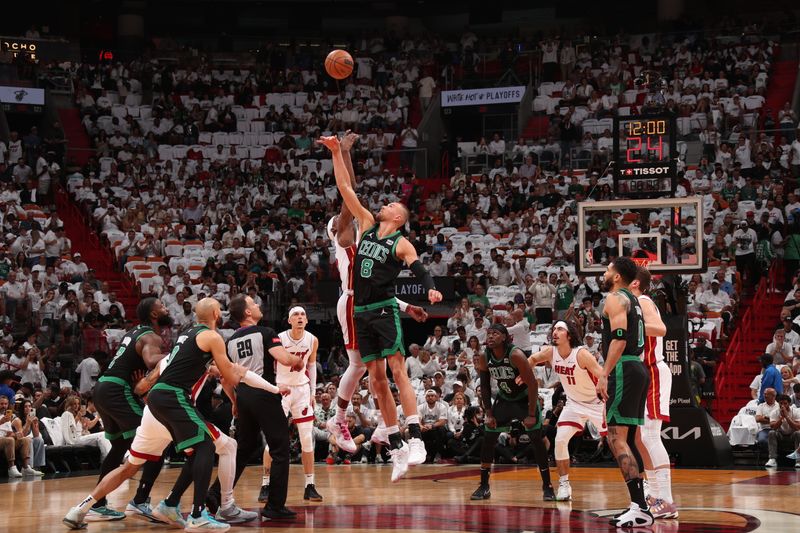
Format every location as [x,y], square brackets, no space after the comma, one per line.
[642,261]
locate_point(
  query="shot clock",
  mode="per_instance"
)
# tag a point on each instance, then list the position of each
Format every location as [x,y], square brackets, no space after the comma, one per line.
[645,156]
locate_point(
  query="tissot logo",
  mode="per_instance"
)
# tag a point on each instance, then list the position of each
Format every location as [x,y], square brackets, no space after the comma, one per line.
[20,95]
[646,171]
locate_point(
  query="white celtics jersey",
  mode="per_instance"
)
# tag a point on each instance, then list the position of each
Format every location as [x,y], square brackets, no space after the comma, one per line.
[578,383]
[302,349]
[653,352]
[345,258]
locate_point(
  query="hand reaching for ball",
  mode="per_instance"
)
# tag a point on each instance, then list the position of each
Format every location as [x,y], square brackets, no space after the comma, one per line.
[348,140]
[331,142]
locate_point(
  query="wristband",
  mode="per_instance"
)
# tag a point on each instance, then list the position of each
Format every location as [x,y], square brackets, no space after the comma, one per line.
[618,334]
[422,273]
[401,304]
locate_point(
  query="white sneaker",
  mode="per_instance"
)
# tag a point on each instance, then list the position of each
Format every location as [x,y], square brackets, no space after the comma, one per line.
[793,456]
[564,492]
[342,435]
[416,452]
[28,471]
[635,516]
[380,436]
[75,519]
[772,463]
[399,462]
[14,472]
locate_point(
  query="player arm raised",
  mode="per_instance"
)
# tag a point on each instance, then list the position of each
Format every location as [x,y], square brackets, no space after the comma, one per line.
[406,252]
[653,325]
[521,363]
[360,213]
[486,391]
[616,309]
[345,219]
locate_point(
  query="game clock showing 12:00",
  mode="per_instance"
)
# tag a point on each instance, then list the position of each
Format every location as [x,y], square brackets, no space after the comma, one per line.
[644,156]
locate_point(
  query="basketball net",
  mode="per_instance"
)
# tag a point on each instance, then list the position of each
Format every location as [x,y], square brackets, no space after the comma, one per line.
[642,261]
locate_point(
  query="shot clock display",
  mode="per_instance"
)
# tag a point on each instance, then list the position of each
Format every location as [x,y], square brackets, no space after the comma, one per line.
[644,156]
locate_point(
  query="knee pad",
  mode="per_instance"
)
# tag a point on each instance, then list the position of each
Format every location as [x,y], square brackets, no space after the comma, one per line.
[651,438]
[305,431]
[225,445]
[563,435]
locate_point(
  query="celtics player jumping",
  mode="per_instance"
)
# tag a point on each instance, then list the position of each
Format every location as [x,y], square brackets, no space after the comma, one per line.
[381,255]
[517,399]
[623,383]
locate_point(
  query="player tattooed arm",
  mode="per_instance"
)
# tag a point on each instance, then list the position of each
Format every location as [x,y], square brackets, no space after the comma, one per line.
[616,309]
[486,391]
[414,311]
[518,360]
[653,325]
[360,213]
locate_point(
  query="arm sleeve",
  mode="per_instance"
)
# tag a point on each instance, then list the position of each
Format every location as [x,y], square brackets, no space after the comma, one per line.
[312,376]
[254,380]
[422,273]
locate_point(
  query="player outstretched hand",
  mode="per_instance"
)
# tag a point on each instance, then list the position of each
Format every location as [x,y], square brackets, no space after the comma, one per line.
[417,313]
[331,142]
[348,140]
[434,296]
[602,387]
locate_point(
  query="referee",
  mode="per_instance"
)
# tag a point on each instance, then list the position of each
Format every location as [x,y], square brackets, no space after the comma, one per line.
[257,348]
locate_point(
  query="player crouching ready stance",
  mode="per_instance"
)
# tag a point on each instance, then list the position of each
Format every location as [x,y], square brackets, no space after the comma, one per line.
[505,363]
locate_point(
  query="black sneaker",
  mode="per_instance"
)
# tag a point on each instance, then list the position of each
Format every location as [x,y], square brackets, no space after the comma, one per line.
[263,494]
[212,503]
[549,495]
[278,514]
[481,493]
[311,494]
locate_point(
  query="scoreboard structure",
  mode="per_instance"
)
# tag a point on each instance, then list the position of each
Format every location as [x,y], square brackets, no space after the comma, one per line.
[645,156]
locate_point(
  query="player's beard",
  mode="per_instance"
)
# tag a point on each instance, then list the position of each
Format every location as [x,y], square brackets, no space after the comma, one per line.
[164,321]
[607,285]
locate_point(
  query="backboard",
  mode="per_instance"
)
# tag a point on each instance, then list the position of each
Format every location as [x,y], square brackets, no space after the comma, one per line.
[662,232]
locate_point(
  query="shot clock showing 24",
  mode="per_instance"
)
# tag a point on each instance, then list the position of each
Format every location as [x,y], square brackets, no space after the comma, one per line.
[644,156]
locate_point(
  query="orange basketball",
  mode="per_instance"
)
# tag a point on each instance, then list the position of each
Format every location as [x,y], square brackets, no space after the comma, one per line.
[339,64]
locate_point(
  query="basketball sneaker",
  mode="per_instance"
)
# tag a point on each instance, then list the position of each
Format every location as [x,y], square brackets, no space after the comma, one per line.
[564,493]
[548,495]
[481,493]
[263,494]
[342,435]
[74,519]
[399,462]
[169,515]
[204,522]
[141,510]
[311,494]
[772,463]
[235,515]
[635,516]
[379,436]
[663,509]
[103,514]
[416,452]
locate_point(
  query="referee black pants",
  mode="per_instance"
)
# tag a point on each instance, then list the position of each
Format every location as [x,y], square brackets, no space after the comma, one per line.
[262,411]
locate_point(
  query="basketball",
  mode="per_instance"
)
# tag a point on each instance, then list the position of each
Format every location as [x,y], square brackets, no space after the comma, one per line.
[339,64]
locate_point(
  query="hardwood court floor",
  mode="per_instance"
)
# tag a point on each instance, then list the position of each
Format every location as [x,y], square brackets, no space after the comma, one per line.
[436,499]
